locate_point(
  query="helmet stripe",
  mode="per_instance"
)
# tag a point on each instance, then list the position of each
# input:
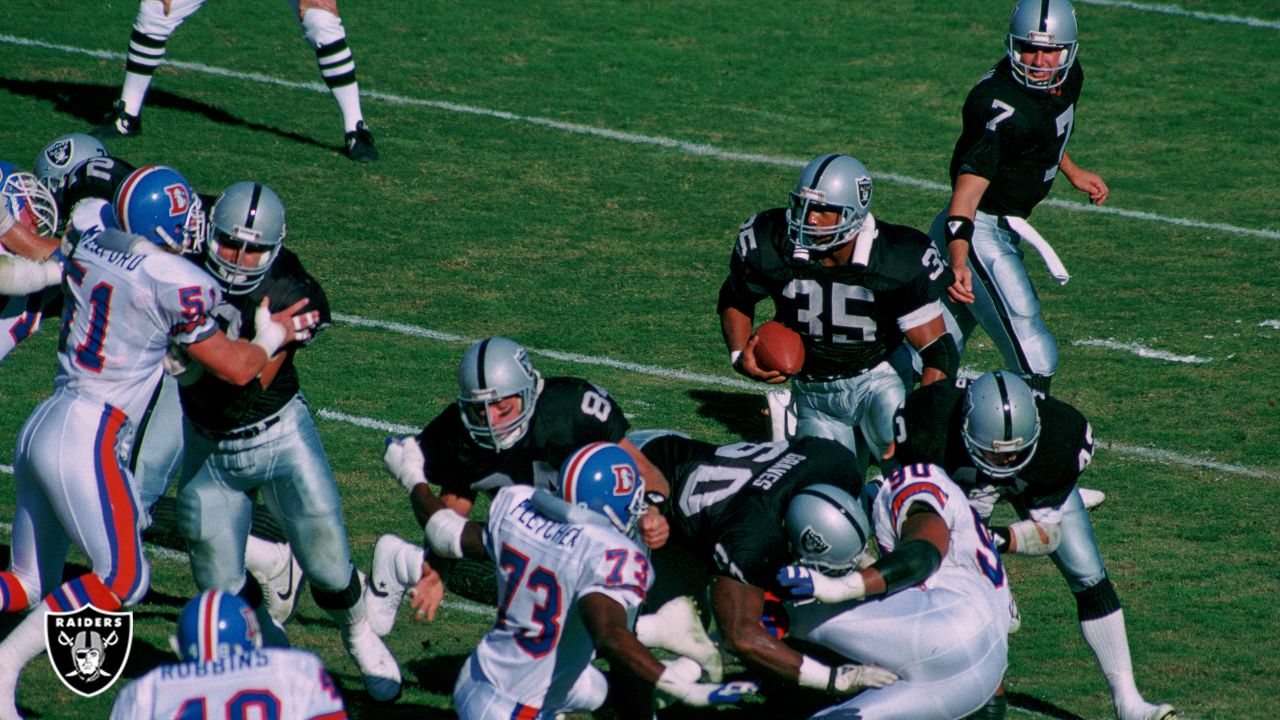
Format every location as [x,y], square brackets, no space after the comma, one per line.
[1005,405]
[569,490]
[1044,15]
[126,190]
[826,162]
[815,492]
[208,626]
[253,206]
[480,380]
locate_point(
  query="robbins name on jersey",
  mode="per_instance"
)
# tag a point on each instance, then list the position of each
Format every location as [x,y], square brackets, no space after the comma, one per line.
[243,661]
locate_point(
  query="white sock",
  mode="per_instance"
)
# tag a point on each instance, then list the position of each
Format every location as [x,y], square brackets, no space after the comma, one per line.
[1106,637]
[348,97]
[26,642]
[135,90]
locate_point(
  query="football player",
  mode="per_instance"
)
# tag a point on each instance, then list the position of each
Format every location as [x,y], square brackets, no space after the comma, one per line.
[30,260]
[321,28]
[725,509]
[246,439]
[938,573]
[852,286]
[223,671]
[1017,121]
[573,579]
[509,426]
[1000,440]
[77,167]
[128,295]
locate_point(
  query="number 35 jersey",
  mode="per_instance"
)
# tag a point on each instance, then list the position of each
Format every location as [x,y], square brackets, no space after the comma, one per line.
[850,316]
[539,646]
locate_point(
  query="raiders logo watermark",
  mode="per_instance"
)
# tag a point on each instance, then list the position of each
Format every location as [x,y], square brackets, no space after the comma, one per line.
[88,647]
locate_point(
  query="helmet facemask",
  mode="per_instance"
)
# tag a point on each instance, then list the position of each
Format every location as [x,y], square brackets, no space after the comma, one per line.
[1036,25]
[30,203]
[477,411]
[821,238]
[235,274]
[248,219]
[1025,73]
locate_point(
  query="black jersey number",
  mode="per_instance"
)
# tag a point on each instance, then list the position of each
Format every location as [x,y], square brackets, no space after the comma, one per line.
[829,315]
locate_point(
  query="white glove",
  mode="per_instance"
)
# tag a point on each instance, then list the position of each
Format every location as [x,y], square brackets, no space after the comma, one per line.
[403,459]
[849,679]
[271,334]
[803,582]
[680,682]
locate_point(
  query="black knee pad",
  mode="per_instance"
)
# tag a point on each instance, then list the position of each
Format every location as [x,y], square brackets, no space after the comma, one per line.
[265,526]
[343,599]
[1097,601]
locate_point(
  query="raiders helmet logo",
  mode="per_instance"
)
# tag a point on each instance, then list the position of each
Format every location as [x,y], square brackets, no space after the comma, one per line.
[864,191]
[522,358]
[812,543]
[59,153]
[88,647]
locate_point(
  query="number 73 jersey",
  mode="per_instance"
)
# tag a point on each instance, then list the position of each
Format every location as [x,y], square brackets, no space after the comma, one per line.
[539,646]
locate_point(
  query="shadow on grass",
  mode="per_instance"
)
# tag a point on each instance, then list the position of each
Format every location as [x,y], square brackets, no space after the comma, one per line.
[742,414]
[90,103]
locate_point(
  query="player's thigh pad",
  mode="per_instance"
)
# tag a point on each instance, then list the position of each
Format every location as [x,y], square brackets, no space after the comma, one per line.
[1077,556]
[213,517]
[883,395]
[152,19]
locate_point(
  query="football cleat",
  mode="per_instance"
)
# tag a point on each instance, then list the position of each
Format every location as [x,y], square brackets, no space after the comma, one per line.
[359,144]
[118,123]
[376,663]
[678,629]
[385,590]
[1091,498]
[278,572]
[1147,711]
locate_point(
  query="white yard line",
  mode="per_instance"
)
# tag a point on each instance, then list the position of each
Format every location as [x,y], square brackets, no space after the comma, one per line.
[1183,12]
[689,148]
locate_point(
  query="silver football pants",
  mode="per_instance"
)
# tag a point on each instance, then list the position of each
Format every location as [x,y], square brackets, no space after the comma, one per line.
[835,408]
[286,463]
[1005,303]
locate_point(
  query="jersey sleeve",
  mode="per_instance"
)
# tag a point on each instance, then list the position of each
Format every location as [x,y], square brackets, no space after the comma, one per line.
[740,290]
[912,486]
[746,549]
[134,702]
[317,695]
[440,460]
[288,282]
[617,569]
[186,297]
[990,116]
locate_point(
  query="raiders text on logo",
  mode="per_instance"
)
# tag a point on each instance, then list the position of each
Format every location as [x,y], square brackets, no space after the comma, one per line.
[88,647]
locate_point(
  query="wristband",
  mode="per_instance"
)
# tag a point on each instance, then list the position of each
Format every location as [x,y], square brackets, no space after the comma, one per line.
[444,533]
[816,675]
[733,357]
[958,227]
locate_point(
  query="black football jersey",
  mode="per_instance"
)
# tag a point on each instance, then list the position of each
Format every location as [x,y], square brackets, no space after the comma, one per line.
[847,315]
[219,406]
[94,178]
[928,427]
[1014,136]
[728,502]
[569,413]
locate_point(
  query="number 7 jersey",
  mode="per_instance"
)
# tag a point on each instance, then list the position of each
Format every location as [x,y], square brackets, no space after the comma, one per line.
[539,646]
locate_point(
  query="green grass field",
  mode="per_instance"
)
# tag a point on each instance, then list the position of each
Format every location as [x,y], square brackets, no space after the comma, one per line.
[572,174]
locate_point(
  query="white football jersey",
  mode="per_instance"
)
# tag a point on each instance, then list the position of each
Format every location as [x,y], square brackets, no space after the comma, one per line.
[277,683]
[539,646]
[126,299]
[972,562]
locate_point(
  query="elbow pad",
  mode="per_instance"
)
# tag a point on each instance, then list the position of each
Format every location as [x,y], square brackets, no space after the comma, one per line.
[444,533]
[911,563]
[942,354]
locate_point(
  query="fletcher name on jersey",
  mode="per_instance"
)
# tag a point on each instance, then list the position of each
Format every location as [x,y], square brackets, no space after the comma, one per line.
[850,315]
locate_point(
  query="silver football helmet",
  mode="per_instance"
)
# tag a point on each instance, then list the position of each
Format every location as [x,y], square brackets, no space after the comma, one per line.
[1001,423]
[492,370]
[28,201]
[1042,24]
[827,527]
[247,218]
[64,153]
[831,183]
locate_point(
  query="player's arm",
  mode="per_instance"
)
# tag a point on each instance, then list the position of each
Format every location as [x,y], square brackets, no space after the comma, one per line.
[938,351]
[25,242]
[654,528]
[923,542]
[1084,180]
[958,231]
[738,606]
[240,361]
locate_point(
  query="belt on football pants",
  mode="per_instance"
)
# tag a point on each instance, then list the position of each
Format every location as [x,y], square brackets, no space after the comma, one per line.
[243,433]
[807,377]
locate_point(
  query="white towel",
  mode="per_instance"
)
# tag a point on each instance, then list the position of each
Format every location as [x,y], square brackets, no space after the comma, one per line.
[1042,246]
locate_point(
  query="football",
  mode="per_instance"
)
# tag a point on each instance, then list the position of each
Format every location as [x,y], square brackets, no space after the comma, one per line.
[779,348]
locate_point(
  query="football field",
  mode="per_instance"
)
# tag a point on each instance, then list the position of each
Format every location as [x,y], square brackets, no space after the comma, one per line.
[573,174]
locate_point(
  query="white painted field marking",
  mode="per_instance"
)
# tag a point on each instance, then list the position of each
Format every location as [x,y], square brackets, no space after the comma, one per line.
[683,146]
[1182,12]
[1141,351]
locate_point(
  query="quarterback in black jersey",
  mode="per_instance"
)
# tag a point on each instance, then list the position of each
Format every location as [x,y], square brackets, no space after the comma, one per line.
[852,287]
[1017,121]
[998,439]
[726,509]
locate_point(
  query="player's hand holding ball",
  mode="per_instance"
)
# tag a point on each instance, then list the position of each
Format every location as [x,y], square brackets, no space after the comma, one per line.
[773,354]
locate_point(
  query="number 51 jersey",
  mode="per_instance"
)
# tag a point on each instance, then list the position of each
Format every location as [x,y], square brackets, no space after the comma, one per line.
[539,645]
